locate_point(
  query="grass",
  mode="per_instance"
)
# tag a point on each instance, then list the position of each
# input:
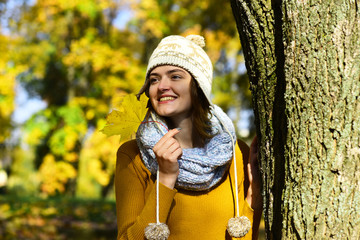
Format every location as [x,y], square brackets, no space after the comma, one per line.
[56,218]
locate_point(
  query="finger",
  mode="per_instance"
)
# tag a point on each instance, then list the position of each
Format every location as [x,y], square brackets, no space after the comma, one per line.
[162,146]
[168,151]
[174,146]
[169,134]
[250,177]
[178,153]
[172,157]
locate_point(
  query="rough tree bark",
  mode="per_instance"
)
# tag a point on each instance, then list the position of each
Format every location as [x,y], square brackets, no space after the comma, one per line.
[303,60]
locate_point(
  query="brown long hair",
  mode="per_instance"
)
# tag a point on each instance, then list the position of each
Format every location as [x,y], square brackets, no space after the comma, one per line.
[200,112]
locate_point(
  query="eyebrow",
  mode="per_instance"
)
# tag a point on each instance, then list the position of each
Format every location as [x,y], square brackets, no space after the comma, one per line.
[168,72]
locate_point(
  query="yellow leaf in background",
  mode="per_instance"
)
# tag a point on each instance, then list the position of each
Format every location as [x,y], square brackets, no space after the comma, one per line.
[95,169]
[125,122]
[55,174]
[71,156]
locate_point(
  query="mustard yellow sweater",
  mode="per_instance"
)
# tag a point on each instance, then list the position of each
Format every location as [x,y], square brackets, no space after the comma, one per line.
[189,215]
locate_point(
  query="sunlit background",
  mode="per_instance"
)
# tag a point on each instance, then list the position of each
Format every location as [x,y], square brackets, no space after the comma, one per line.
[64,65]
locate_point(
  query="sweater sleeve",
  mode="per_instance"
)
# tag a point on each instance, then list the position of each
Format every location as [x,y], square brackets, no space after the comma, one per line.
[136,195]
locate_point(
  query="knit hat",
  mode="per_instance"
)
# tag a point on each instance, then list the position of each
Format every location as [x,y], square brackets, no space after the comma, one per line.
[184,52]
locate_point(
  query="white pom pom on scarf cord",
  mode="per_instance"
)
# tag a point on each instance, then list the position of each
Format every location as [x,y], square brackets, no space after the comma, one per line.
[157,231]
[238,226]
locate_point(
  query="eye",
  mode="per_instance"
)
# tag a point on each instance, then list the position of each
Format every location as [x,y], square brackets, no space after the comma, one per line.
[153,80]
[175,77]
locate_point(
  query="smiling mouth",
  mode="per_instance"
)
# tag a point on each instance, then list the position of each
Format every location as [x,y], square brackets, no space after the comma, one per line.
[166,99]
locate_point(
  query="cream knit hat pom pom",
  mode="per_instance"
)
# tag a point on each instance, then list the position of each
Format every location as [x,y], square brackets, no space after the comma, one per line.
[197,39]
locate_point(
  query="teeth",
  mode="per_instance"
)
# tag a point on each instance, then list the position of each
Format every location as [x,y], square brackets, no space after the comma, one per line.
[166,98]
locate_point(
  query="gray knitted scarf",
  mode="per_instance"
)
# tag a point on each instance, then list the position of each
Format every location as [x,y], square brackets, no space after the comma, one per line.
[200,168]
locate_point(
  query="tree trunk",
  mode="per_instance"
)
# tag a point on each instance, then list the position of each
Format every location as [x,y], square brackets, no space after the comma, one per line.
[303,60]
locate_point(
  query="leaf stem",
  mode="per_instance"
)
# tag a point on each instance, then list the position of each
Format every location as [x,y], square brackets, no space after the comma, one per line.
[155,122]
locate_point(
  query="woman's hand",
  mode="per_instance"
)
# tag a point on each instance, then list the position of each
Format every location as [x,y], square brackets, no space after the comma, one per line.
[253,195]
[167,152]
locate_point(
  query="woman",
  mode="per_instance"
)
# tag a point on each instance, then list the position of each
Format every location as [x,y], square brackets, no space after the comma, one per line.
[177,180]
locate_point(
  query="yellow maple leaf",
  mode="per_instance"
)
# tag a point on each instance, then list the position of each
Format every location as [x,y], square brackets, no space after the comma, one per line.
[124,122]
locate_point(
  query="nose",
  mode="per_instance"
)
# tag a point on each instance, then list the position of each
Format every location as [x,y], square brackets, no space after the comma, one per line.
[164,84]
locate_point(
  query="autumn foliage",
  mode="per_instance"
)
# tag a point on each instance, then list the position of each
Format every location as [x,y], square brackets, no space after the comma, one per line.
[85,60]
[74,56]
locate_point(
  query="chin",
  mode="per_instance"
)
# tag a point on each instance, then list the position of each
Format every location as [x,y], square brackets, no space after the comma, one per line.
[165,114]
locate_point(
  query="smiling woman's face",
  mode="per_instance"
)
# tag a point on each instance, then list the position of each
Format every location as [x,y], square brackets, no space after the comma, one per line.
[169,91]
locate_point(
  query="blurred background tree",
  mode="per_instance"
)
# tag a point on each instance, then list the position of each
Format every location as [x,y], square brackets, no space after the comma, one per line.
[78,58]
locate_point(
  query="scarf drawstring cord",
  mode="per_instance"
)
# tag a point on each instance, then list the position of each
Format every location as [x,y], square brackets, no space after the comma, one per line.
[158,230]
